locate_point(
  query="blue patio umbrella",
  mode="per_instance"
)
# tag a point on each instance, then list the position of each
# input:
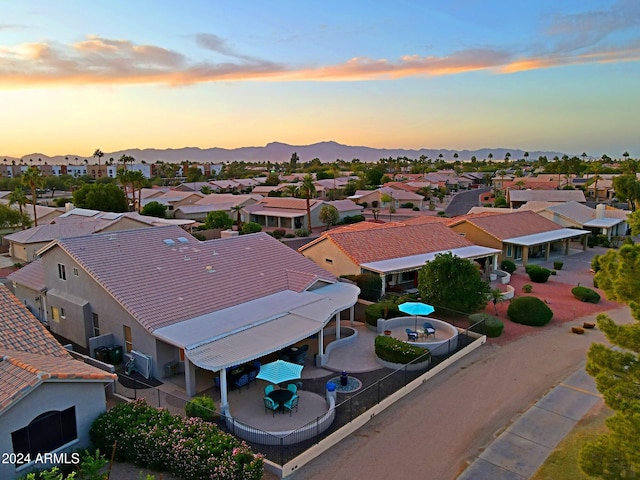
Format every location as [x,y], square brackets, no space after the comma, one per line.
[416,308]
[280,371]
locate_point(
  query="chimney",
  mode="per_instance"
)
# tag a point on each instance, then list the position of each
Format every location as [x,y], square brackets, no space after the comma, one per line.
[600,208]
[69,206]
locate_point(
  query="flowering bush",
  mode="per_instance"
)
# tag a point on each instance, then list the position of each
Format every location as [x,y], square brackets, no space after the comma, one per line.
[189,448]
[396,351]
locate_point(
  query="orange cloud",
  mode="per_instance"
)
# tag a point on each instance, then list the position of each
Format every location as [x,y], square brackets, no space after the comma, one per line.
[98,60]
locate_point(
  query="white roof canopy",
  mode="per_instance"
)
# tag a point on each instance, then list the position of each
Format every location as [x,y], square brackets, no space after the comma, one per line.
[546,237]
[413,262]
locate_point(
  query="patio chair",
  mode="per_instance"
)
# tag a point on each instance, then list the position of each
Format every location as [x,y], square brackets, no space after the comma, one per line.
[253,373]
[292,387]
[412,335]
[268,389]
[428,329]
[269,404]
[242,381]
[291,404]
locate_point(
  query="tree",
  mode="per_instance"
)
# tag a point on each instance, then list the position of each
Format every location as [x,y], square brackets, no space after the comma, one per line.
[101,196]
[293,163]
[237,209]
[616,370]
[633,220]
[98,154]
[272,180]
[123,177]
[387,198]
[17,196]
[218,219]
[307,189]
[329,215]
[138,181]
[155,209]
[194,174]
[12,218]
[33,179]
[454,283]
[251,227]
[627,189]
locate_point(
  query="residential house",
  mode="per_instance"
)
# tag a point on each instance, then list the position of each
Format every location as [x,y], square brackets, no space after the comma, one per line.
[173,199]
[216,202]
[398,198]
[169,299]
[602,220]
[518,235]
[395,251]
[48,400]
[287,213]
[517,198]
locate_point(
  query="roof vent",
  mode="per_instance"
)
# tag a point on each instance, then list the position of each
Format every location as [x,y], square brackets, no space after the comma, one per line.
[209,269]
[183,240]
[168,241]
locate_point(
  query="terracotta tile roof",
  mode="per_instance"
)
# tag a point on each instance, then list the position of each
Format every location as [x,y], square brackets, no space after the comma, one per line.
[345,205]
[31,275]
[60,229]
[546,195]
[422,219]
[161,280]
[22,331]
[388,242]
[510,225]
[288,203]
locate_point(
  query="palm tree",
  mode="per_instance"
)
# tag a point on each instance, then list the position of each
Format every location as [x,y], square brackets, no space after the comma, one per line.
[33,179]
[18,196]
[98,154]
[291,190]
[137,182]
[237,209]
[307,189]
[123,178]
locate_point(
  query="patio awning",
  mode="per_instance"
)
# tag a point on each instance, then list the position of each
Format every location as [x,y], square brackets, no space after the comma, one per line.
[414,262]
[546,237]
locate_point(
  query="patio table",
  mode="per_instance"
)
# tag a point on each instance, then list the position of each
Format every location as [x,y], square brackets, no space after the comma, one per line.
[280,396]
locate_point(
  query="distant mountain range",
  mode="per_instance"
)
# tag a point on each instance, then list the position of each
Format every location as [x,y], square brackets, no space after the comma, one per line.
[281,152]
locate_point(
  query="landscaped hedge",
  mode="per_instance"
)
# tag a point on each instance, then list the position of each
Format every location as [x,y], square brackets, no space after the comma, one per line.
[189,448]
[370,285]
[393,350]
[508,266]
[529,311]
[202,407]
[585,294]
[377,310]
[486,324]
[537,273]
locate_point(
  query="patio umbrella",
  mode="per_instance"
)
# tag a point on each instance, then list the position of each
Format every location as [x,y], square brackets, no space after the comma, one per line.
[280,371]
[416,308]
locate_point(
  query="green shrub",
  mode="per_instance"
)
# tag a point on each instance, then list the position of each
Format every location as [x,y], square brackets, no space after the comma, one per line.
[189,448]
[508,266]
[279,233]
[370,286]
[385,309]
[553,272]
[374,204]
[585,294]
[302,232]
[407,205]
[289,235]
[527,288]
[393,350]
[416,209]
[364,204]
[251,227]
[529,311]
[557,264]
[486,324]
[349,219]
[592,241]
[537,273]
[199,236]
[202,407]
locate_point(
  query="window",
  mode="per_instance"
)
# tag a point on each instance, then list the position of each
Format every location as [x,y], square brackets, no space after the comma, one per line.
[55,314]
[96,324]
[62,272]
[46,432]
[328,260]
[509,251]
[128,342]
[75,272]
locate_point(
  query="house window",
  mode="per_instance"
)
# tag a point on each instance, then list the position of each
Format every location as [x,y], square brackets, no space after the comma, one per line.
[128,342]
[509,251]
[75,271]
[328,260]
[55,314]
[96,324]
[62,272]
[46,432]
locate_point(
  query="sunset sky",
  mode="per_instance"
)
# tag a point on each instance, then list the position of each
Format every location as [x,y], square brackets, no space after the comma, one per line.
[462,74]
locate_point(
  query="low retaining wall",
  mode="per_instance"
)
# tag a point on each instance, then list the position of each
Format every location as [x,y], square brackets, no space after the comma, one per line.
[348,335]
[436,347]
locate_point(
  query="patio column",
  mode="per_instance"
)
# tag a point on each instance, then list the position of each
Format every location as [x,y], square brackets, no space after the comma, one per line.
[352,314]
[495,261]
[338,326]
[384,284]
[566,246]
[320,347]
[525,256]
[547,251]
[224,403]
[584,243]
[189,377]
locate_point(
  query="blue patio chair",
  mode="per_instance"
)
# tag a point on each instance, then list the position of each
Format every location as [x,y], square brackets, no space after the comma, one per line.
[428,329]
[268,389]
[293,388]
[291,404]
[242,381]
[269,404]
[253,373]
[412,335]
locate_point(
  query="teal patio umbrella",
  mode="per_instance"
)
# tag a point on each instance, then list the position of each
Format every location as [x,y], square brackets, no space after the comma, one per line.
[416,308]
[280,371]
